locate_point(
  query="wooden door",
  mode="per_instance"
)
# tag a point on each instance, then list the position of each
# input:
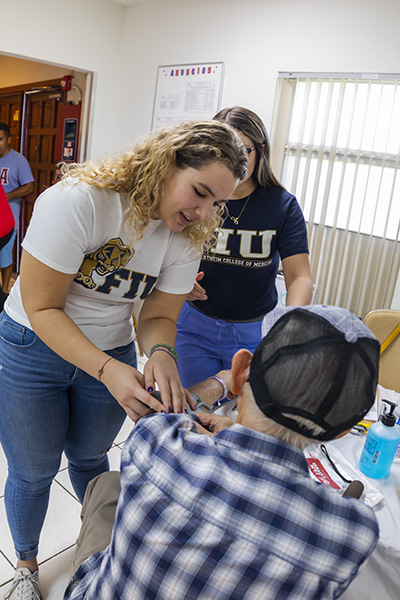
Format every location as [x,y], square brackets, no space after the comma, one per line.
[10,113]
[37,126]
[40,141]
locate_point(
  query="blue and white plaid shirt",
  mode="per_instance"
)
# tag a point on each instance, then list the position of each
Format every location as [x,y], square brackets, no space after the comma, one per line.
[235,516]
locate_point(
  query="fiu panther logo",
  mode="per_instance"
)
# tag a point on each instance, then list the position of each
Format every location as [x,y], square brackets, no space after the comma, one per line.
[107,259]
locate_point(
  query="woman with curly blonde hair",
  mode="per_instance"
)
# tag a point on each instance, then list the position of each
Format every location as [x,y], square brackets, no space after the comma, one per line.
[125,229]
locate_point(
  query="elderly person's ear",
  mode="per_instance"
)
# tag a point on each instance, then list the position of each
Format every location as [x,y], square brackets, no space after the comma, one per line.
[240,369]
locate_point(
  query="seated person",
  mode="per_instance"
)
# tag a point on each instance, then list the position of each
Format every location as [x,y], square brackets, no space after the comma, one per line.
[234,514]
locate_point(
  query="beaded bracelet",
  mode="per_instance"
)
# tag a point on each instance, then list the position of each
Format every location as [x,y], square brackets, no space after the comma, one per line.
[224,387]
[164,350]
[167,347]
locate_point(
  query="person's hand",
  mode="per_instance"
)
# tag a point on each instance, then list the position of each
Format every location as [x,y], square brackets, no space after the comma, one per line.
[198,292]
[127,385]
[161,369]
[212,424]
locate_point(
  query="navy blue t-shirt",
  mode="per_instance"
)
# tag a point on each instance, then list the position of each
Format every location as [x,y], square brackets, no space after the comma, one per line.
[240,270]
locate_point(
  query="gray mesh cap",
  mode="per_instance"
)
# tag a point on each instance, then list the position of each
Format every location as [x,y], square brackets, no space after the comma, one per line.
[319,363]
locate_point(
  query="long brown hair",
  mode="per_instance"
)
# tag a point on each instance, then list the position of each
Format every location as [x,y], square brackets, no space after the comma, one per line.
[249,123]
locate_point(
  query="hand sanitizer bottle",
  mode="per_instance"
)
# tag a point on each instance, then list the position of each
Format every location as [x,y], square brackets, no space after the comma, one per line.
[381,445]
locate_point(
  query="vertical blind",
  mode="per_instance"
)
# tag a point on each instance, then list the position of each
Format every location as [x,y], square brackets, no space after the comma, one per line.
[341,160]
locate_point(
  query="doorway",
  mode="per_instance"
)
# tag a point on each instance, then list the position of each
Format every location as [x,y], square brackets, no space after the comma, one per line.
[30,108]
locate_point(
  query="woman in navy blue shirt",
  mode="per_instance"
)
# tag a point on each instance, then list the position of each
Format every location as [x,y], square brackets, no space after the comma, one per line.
[264,224]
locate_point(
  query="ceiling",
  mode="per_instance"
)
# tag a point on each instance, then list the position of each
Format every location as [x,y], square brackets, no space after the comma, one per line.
[129,2]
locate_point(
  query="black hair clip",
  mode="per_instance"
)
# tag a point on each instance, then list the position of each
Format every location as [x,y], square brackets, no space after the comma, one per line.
[334,467]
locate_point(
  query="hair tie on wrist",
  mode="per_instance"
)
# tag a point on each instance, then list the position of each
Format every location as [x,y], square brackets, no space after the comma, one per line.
[167,348]
[224,387]
[100,371]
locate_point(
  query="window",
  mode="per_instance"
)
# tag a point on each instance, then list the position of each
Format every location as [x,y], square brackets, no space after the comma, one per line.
[338,138]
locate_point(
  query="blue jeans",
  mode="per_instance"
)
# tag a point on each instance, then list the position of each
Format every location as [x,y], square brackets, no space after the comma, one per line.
[206,345]
[6,253]
[48,406]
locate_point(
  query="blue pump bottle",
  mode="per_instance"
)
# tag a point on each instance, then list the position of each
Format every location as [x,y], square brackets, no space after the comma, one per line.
[381,445]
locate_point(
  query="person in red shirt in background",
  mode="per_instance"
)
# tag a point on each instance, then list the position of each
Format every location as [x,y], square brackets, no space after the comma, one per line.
[7,223]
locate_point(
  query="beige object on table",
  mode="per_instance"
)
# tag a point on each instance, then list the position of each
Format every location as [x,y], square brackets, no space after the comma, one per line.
[385,325]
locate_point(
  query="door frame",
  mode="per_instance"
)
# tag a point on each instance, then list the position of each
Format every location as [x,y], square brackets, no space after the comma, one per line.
[28,89]
[85,130]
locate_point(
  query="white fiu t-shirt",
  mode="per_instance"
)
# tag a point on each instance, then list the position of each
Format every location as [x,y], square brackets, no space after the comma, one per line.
[78,228]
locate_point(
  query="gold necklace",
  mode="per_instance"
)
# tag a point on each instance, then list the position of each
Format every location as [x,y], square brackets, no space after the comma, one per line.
[236,219]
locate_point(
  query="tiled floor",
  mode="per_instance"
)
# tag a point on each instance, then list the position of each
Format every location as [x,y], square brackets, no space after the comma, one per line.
[60,529]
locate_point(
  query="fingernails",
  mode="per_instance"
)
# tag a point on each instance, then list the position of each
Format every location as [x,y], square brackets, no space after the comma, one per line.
[170,410]
[186,412]
[163,412]
[150,390]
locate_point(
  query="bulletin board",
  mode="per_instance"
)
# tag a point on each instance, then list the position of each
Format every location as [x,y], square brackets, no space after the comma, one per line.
[187,92]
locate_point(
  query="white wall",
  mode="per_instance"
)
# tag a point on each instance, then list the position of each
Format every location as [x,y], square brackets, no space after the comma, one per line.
[255,39]
[79,34]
